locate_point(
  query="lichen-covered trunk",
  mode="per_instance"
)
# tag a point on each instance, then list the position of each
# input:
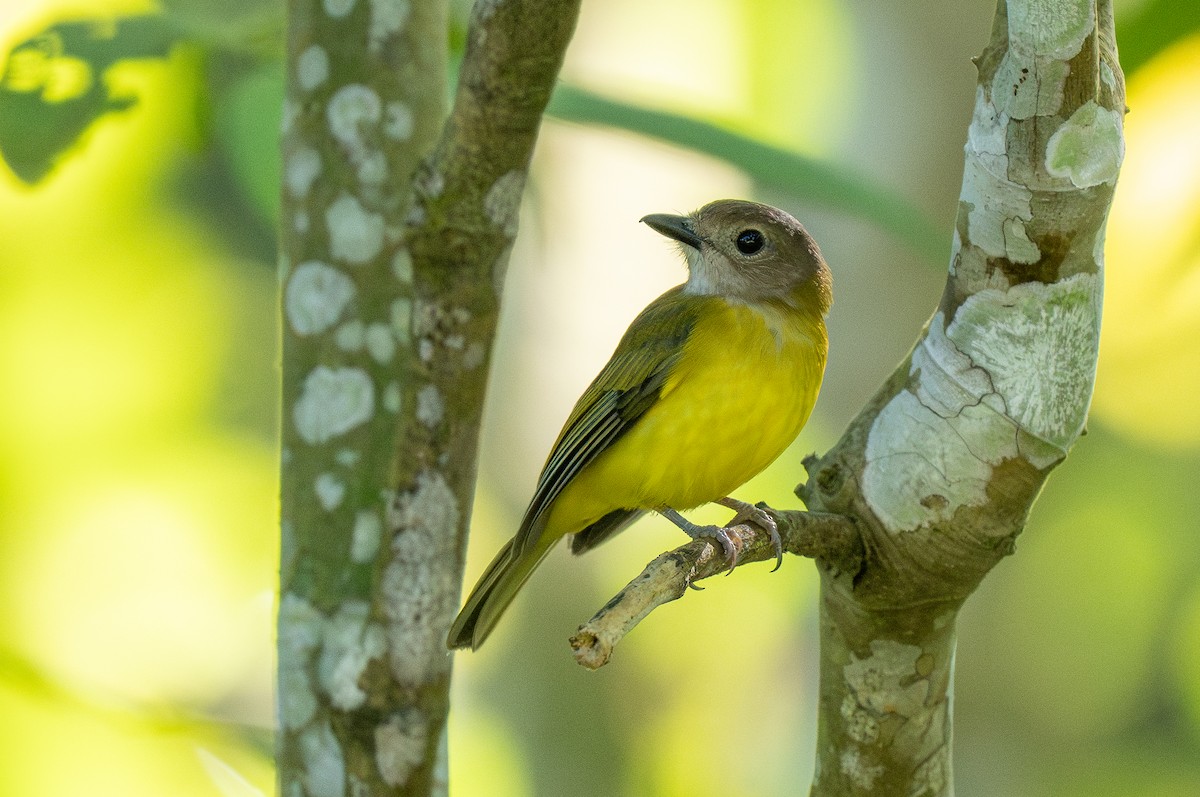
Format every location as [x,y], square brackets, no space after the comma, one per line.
[941,467]
[884,701]
[364,103]
[397,222]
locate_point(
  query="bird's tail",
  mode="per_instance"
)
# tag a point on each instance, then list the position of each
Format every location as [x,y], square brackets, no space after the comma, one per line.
[495,590]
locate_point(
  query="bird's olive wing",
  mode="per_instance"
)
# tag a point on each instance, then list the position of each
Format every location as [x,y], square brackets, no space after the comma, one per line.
[621,394]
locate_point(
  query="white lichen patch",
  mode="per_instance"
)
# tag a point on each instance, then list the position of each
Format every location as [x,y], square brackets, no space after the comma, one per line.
[861,725]
[350,642]
[1026,86]
[948,381]
[1107,76]
[316,296]
[353,113]
[402,319]
[330,491]
[473,355]
[398,122]
[338,8]
[1050,29]
[402,265]
[986,135]
[312,67]
[998,210]
[431,408]
[387,19]
[332,402]
[355,233]
[857,766]
[1038,343]
[302,167]
[324,772]
[372,168]
[1088,148]
[1011,376]
[418,596]
[887,682]
[365,536]
[287,119]
[381,345]
[921,466]
[351,336]
[400,745]
[502,202]
[392,397]
[300,629]
[933,776]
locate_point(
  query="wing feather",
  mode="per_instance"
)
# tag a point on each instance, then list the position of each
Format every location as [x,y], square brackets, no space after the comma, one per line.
[618,397]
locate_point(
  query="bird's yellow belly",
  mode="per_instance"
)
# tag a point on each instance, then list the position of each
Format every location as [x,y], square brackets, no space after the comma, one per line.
[737,398]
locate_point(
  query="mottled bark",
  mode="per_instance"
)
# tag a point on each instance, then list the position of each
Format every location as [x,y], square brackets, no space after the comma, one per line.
[938,472]
[941,468]
[397,222]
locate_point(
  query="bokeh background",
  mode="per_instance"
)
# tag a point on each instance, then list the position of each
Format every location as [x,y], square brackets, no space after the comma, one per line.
[138,368]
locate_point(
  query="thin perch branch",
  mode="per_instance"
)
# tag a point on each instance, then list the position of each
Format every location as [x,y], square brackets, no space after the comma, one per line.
[833,539]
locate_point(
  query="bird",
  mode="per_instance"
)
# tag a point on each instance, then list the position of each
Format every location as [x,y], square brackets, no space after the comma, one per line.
[708,386]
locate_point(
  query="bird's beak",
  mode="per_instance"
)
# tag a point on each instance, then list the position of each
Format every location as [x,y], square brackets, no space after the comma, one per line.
[680,228]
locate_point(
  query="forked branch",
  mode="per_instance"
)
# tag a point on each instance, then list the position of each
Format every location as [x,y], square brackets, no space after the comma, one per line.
[832,539]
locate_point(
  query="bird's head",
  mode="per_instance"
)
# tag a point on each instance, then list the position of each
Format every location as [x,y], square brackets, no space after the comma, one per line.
[748,252]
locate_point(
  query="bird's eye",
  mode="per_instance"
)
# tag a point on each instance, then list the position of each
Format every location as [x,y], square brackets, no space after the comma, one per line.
[749,241]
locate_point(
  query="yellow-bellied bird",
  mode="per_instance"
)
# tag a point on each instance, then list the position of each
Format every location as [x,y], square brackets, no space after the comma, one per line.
[707,387]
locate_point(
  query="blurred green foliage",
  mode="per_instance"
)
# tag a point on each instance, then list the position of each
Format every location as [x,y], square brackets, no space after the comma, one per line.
[137,340]
[835,186]
[55,86]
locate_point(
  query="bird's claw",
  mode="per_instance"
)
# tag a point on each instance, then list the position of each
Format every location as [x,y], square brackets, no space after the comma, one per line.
[720,535]
[760,517]
[767,522]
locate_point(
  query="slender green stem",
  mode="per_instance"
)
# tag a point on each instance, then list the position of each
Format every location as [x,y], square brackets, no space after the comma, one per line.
[821,182]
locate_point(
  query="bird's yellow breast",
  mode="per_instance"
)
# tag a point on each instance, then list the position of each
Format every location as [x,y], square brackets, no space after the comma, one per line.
[741,391]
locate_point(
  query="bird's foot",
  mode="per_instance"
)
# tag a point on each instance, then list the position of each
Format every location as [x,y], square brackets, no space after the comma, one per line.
[759,517]
[696,532]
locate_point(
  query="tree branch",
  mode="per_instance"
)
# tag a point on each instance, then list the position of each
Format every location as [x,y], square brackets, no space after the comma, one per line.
[941,467]
[832,539]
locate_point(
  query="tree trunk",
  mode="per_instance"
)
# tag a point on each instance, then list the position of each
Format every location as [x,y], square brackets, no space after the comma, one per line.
[940,469]
[397,222]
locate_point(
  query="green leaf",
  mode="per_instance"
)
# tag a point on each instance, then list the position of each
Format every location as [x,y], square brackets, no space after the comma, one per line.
[832,185]
[55,86]
[1155,26]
